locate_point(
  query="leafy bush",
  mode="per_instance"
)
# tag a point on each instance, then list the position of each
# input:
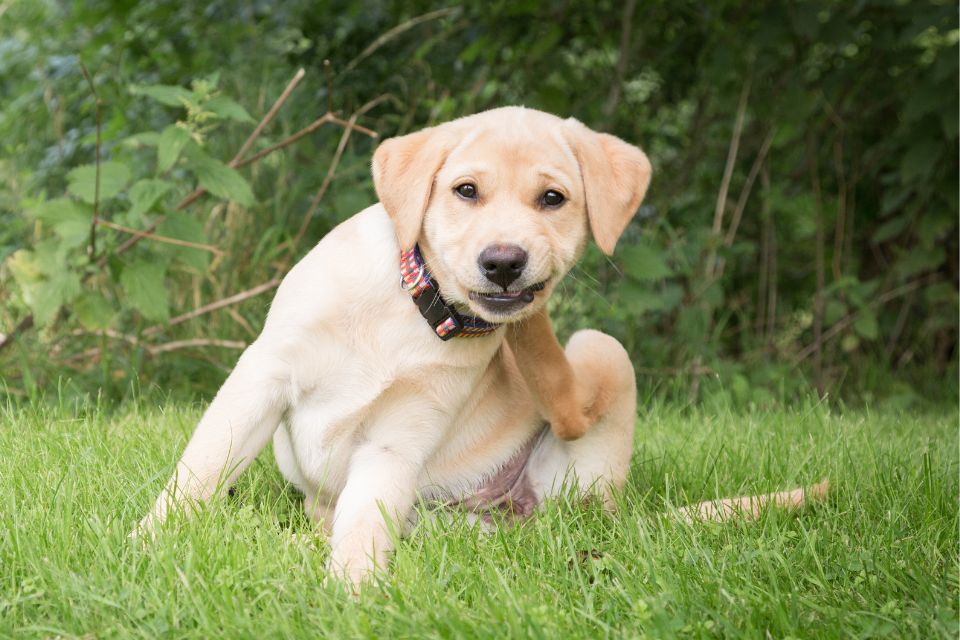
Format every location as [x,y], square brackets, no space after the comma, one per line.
[801,229]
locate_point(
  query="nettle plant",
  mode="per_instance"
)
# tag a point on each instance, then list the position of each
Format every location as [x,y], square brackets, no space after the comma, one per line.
[105,249]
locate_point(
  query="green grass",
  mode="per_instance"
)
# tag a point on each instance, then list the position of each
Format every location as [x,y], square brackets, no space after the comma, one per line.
[879,557]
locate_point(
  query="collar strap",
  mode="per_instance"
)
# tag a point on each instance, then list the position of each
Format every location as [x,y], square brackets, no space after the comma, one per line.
[445,321]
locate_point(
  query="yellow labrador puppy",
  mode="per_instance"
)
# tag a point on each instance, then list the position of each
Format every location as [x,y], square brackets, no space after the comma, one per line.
[408,356]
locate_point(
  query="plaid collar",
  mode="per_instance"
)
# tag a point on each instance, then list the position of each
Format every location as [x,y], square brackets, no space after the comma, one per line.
[445,321]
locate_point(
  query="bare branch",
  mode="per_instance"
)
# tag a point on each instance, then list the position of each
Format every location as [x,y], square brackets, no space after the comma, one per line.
[107,333]
[92,246]
[194,342]
[747,190]
[819,300]
[396,31]
[731,158]
[22,326]
[327,118]
[623,57]
[213,306]
[297,77]
[158,238]
[741,205]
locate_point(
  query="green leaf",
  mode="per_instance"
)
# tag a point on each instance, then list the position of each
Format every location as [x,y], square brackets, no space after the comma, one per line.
[920,160]
[866,325]
[50,295]
[93,311]
[143,284]
[834,311]
[184,227]
[891,228]
[227,108]
[940,292]
[219,179]
[145,139]
[643,262]
[145,193]
[68,218]
[639,299]
[163,93]
[171,144]
[919,261]
[114,176]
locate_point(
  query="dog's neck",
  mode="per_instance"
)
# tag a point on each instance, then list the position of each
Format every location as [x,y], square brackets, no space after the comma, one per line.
[445,321]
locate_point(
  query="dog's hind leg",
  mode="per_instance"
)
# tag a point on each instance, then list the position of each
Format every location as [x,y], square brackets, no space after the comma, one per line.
[234,429]
[597,461]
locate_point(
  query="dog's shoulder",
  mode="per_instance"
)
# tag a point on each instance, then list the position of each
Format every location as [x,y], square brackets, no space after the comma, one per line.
[359,258]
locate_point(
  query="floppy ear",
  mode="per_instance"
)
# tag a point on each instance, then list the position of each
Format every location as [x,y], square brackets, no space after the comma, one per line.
[403,172]
[615,179]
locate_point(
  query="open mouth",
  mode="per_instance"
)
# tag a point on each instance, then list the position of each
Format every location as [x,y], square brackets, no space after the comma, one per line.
[507,302]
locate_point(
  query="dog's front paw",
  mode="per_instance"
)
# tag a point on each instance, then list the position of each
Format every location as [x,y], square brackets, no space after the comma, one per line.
[569,426]
[352,570]
[146,529]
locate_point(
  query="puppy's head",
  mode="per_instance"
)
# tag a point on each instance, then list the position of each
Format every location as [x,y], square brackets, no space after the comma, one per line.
[501,202]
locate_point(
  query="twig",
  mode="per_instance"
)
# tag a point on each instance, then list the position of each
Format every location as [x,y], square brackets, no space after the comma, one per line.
[818,301]
[747,190]
[157,237]
[326,118]
[773,281]
[396,31]
[899,326]
[92,246]
[328,74]
[626,25]
[297,77]
[107,333]
[194,342]
[22,326]
[742,204]
[841,223]
[732,150]
[213,306]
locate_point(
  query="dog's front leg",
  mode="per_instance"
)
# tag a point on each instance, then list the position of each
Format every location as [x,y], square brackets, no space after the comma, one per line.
[382,482]
[234,429]
[562,398]
[375,502]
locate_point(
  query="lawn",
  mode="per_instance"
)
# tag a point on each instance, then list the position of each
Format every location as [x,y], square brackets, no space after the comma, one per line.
[878,557]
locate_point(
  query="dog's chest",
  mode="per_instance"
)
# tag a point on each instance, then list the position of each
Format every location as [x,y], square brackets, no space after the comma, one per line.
[359,405]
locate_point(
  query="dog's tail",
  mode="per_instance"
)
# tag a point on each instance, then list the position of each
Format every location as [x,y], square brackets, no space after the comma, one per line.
[750,507]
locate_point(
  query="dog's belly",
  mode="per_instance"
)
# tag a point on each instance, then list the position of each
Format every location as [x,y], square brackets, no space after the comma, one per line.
[507,492]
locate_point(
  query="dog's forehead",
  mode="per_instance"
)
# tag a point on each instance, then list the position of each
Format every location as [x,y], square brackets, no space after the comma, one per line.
[518,137]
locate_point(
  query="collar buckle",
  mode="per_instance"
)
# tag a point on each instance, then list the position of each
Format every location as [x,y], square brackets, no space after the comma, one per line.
[436,312]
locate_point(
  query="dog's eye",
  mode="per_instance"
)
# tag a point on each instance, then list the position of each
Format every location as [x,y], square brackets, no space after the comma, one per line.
[467,191]
[552,198]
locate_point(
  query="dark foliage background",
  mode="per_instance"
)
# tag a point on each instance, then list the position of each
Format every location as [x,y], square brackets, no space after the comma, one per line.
[800,234]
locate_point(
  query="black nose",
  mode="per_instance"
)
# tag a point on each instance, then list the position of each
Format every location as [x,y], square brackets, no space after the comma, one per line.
[502,263]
